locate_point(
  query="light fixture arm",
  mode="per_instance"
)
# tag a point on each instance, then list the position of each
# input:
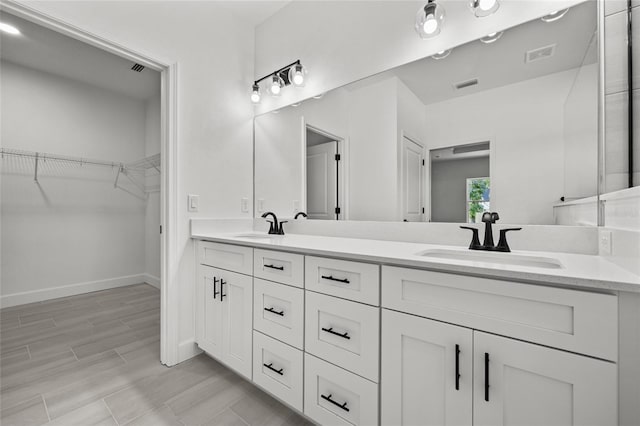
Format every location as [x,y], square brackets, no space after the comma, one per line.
[278,72]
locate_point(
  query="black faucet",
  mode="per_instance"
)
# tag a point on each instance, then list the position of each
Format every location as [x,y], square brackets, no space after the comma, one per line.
[490,218]
[275,228]
[303,214]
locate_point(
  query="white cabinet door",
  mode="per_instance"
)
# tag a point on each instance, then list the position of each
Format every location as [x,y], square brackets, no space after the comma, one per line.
[535,385]
[420,367]
[209,312]
[236,293]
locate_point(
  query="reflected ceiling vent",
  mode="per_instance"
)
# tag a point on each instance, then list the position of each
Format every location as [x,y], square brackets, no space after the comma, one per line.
[475,147]
[465,84]
[137,67]
[540,53]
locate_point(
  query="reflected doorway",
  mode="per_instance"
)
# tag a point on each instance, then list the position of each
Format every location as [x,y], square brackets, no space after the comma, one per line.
[323,158]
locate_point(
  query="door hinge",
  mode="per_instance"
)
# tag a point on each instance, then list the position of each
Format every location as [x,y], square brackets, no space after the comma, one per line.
[337,210]
[161,229]
[337,157]
[423,210]
[423,162]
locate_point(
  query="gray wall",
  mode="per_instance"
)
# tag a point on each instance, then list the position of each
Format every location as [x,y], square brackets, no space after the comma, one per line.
[448,186]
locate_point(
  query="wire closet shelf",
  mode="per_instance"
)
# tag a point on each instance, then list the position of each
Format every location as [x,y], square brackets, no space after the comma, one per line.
[136,172]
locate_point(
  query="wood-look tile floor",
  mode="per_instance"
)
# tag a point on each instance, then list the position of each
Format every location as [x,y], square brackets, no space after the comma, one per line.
[94,359]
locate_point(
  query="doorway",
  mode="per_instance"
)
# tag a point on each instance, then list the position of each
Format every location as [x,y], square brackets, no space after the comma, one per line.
[323,174]
[412,180]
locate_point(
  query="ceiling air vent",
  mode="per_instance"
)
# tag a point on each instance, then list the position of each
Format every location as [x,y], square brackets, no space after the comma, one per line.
[540,53]
[467,83]
[473,147]
[137,67]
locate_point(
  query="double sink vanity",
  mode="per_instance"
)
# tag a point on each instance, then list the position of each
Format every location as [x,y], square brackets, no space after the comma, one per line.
[365,332]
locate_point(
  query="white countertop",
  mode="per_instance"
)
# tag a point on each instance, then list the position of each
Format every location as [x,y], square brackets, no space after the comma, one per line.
[578,270]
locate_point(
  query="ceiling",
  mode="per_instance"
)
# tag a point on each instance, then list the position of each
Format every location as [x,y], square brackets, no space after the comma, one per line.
[52,52]
[502,62]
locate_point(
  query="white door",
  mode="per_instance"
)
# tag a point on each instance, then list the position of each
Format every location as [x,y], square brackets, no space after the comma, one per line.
[322,181]
[533,385]
[237,313]
[412,181]
[426,371]
[209,311]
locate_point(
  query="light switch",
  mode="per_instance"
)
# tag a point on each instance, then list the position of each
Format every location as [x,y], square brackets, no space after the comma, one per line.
[244,205]
[605,243]
[296,206]
[260,205]
[193,202]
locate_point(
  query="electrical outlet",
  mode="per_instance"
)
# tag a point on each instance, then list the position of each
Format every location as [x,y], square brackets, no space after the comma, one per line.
[260,205]
[605,243]
[193,203]
[244,205]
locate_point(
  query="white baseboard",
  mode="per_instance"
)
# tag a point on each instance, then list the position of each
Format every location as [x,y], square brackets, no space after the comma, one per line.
[151,280]
[16,299]
[187,349]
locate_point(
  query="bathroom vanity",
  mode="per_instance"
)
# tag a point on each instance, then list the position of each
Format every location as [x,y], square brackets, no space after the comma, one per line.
[354,331]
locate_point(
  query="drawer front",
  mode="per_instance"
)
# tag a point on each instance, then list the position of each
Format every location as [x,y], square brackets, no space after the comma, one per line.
[344,333]
[577,321]
[349,280]
[333,396]
[278,369]
[286,268]
[278,311]
[226,256]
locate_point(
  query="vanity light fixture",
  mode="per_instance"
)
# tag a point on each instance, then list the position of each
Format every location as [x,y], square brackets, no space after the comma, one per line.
[441,54]
[490,38]
[429,19]
[9,29]
[293,74]
[554,16]
[482,8]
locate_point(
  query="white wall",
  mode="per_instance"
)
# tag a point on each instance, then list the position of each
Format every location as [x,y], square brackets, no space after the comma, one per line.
[72,227]
[152,207]
[214,53]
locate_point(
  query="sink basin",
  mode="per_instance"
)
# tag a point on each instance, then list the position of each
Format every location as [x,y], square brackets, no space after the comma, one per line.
[257,236]
[493,257]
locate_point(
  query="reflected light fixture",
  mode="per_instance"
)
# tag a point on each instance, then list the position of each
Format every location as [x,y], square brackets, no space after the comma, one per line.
[429,20]
[441,54]
[554,16]
[9,29]
[482,8]
[293,74]
[490,38]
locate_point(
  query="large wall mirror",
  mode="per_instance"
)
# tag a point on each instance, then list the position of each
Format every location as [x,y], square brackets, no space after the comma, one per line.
[508,123]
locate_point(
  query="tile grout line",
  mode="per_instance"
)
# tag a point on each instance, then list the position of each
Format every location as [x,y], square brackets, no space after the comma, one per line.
[74,353]
[46,409]
[121,357]
[110,412]
[28,352]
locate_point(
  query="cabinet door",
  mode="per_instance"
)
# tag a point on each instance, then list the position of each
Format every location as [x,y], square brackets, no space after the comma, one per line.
[209,311]
[534,385]
[237,296]
[419,371]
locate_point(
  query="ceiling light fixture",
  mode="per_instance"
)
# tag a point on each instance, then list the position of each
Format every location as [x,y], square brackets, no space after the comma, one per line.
[441,54]
[490,38]
[482,8]
[293,74]
[429,20]
[9,29]
[554,16]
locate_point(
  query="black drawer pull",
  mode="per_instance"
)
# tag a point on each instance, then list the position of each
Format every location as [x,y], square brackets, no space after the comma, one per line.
[270,367]
[273,311]
[279,268]
[330,330]
[340,280]
[486,377]
[457,367]
[215,292]
[328,398]
[222,295]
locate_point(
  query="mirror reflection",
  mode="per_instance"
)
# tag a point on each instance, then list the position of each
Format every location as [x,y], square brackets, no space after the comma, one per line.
[507,123]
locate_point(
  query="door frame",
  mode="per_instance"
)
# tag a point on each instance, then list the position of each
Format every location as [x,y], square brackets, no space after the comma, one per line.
[426,216]
[169,160]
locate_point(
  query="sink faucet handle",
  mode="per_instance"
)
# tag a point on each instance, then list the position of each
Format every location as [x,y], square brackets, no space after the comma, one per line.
[280,230]
[271,227]
[502,242]
[490,217]
[475,240]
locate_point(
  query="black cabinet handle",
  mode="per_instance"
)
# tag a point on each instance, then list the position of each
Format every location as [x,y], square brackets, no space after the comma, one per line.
[340,280]
[270,367]
[273,311]
[457,367]
[215,292]
[222,295]
[486,377]
[330,330]
[279,268]
[328,398]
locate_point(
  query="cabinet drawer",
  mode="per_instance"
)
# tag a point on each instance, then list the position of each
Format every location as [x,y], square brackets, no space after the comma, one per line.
[344,333]
[350,280]
[278,311]
[278,369]
[333,396]
[226,256]
[577,321]
[286,268]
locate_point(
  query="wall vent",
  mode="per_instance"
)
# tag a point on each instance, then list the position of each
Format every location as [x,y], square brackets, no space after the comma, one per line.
[467,83]
[540,53]
[137,67]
